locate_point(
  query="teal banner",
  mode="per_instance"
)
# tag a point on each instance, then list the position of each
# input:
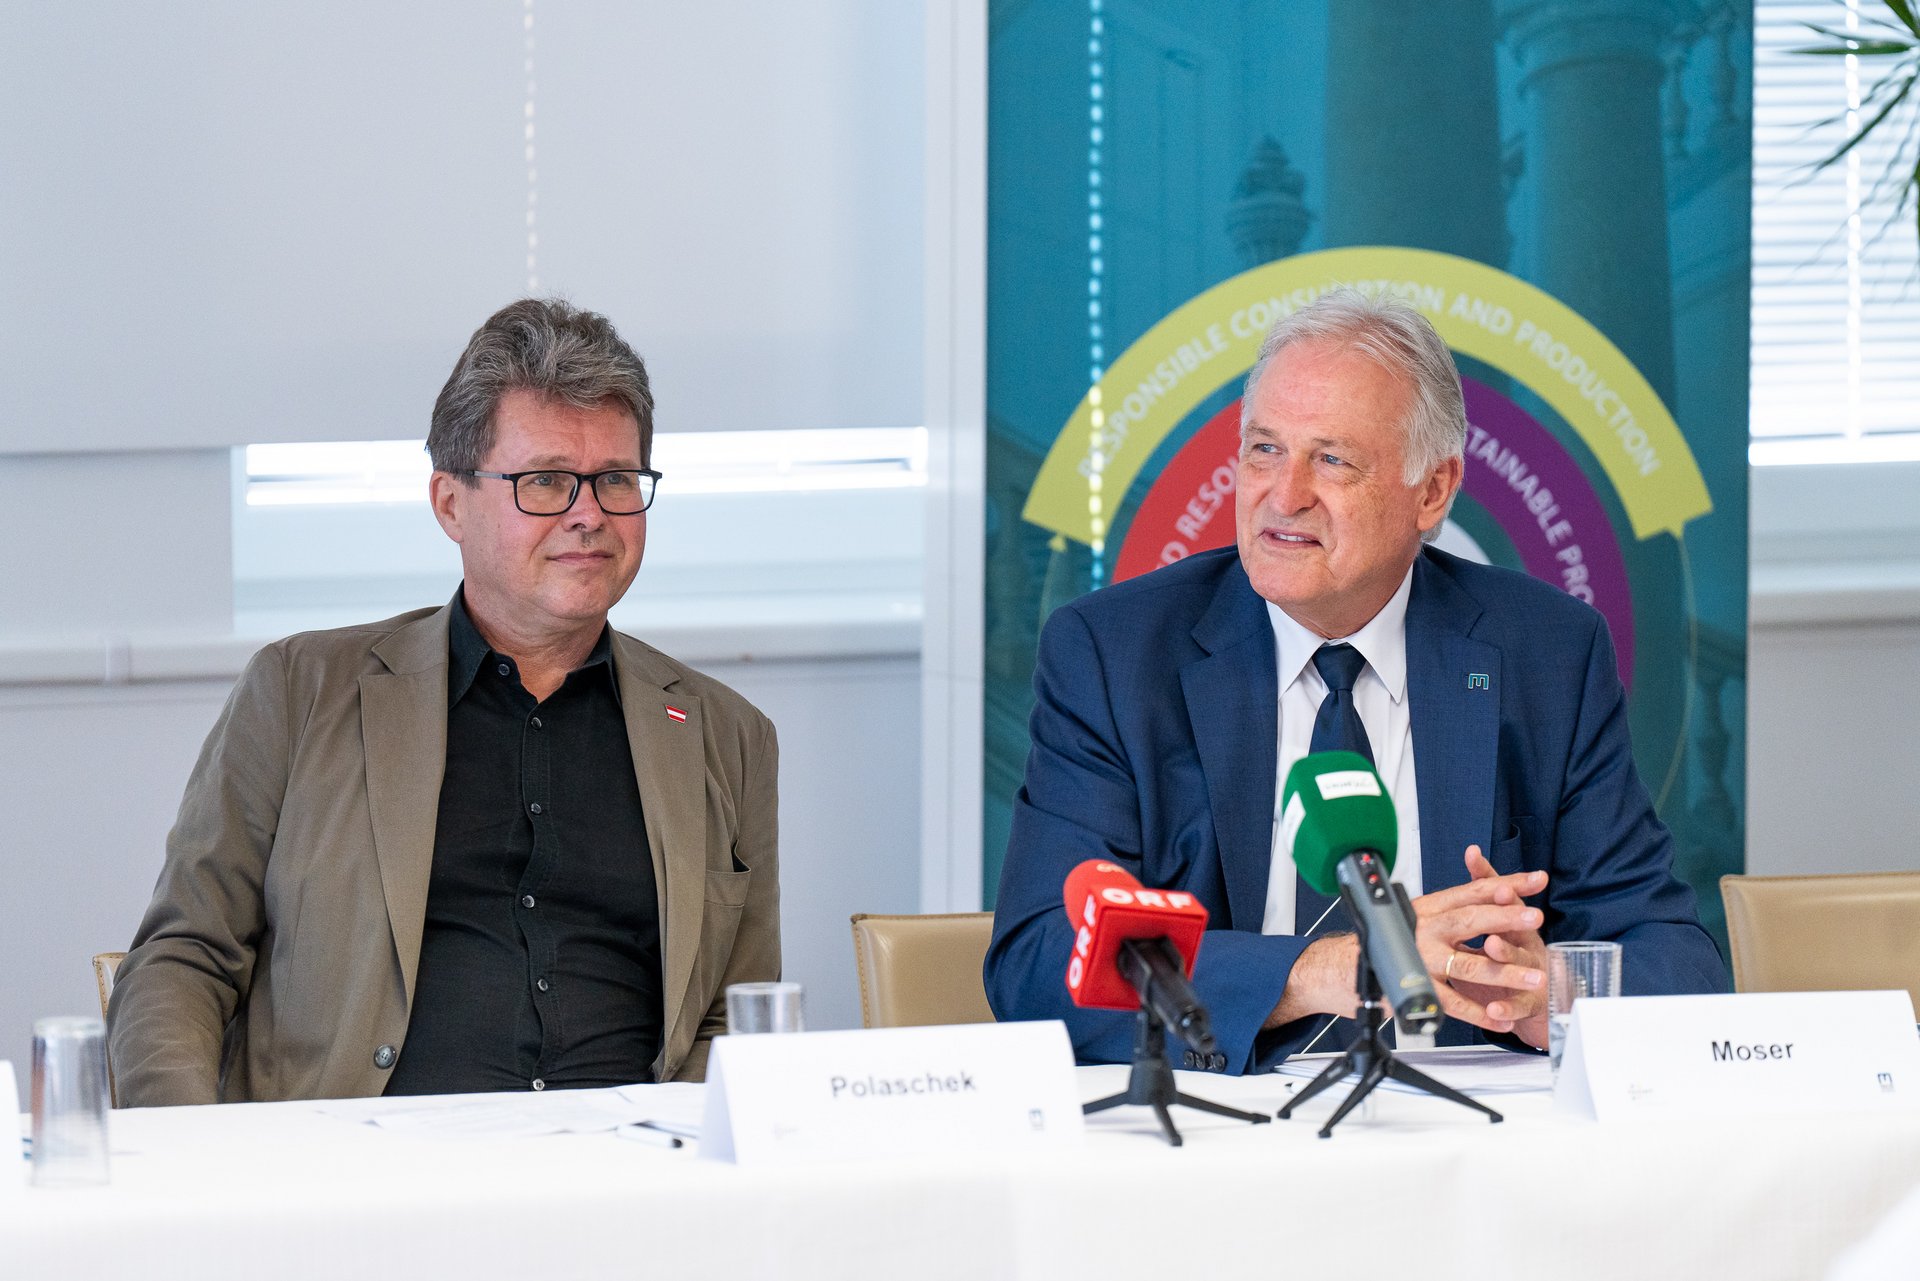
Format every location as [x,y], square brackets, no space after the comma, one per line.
[1562,186]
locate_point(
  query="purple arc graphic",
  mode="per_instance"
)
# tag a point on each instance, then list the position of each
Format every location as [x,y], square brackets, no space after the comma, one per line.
[1535,491]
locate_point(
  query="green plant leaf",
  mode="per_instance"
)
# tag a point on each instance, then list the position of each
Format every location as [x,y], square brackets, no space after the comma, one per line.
[1878,30]
[1867,128]
[1903,10]
[1913,184]
[1895,35]
[1863,48]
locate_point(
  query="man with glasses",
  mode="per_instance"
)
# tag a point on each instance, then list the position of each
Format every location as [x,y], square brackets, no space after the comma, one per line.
[490,846]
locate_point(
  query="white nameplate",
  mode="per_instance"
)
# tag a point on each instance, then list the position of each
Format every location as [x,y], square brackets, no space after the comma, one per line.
[1758,1053]
[790,1099]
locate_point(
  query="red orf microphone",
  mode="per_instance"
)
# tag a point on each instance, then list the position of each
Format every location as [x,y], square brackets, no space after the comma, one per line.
[1134,946]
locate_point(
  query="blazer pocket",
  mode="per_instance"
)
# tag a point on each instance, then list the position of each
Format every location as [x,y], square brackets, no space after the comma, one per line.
[719,927]
[1507,854]
[729,889]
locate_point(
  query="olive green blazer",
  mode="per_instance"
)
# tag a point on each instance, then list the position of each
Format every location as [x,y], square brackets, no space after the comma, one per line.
[277,959]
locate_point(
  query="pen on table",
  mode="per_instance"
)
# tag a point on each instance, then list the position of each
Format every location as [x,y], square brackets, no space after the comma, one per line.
[641,1132]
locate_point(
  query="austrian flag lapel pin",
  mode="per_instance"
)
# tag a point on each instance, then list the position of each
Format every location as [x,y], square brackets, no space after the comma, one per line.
[675,714]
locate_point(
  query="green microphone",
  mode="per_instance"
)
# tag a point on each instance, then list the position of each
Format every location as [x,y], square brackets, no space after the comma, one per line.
[1338,823]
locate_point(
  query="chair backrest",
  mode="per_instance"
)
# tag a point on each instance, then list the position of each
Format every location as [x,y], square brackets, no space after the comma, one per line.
[919,970]
[1824,933]
[105,966]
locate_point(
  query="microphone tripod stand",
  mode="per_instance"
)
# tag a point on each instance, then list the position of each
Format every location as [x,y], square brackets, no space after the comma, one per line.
[1371,1056]
[1151,1081]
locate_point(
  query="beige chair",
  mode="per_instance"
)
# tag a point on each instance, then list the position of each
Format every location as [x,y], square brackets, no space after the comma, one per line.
[919,970]
[105,966]
[1824,933]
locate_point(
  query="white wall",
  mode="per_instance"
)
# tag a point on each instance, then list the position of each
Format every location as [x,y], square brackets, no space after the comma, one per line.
[229,223]
[1833,713]
[1833,756]
[92,777]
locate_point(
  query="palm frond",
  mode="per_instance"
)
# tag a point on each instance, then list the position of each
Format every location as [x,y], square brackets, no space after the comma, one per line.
[1860,48]
[1886,108]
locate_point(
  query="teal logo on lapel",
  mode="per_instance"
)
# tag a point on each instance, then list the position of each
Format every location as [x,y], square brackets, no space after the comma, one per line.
[1478,680]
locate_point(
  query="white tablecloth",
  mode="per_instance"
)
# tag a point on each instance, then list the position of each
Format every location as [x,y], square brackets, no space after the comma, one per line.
[284,1191]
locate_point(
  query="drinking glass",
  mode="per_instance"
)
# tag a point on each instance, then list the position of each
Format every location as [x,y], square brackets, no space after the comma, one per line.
[764,1007]
[70,1099]
[1575,970]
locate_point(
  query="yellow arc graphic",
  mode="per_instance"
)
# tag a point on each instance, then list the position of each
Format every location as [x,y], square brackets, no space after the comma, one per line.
[1480,311]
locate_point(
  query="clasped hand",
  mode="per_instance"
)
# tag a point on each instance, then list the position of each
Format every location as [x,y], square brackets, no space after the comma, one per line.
[1500,985]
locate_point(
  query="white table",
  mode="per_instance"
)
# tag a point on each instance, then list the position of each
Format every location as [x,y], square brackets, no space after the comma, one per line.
[282,1191]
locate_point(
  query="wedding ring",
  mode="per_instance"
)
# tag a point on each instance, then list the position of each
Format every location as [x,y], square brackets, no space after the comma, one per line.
[1449,970]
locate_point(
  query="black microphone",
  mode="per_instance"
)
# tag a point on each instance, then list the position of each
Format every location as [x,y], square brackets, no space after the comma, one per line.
[1341,829]
[1154,969]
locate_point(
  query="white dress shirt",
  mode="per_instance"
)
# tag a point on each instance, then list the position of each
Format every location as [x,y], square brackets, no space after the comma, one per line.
[1380,696]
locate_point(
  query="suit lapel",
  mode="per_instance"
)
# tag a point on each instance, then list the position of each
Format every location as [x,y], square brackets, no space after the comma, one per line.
[403,723]
[1233,705]
[669,764]
[1453,682]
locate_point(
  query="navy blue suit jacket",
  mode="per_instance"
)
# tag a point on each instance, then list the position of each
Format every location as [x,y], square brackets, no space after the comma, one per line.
[1155,733]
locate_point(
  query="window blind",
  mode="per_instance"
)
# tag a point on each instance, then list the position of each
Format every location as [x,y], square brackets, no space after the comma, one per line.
[1836,276]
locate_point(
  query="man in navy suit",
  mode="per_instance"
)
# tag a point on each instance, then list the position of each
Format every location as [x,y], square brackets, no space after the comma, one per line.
[1169,707]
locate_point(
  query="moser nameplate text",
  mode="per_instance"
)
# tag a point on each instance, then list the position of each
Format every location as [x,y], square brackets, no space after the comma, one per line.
[1756,1053]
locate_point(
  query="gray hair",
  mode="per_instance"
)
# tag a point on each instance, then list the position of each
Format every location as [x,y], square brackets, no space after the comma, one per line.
[543,345]
[1398,339]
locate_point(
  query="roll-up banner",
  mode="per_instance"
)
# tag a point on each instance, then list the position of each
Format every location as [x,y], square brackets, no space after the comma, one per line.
[1561,186]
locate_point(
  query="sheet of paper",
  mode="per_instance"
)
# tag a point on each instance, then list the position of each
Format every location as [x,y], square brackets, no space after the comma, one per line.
[674,1107]
[1474,1070]
[499,1116]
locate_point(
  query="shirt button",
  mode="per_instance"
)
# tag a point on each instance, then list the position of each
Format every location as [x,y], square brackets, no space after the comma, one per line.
[505,669]
[534,808]
[536,723]
[541,984]
[538,1084]
[526,900]
[384,1056]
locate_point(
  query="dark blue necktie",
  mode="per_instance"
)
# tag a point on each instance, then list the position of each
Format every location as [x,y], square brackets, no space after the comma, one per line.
[1336,728]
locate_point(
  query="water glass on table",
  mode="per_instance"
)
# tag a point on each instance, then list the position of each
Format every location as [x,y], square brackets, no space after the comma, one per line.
[1575,970]
[764,1007]
[70,1100]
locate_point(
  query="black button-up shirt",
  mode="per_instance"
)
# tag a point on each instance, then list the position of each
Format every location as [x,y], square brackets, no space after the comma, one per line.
[540,958]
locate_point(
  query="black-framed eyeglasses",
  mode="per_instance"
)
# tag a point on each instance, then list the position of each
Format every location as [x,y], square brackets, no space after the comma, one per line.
[624,491]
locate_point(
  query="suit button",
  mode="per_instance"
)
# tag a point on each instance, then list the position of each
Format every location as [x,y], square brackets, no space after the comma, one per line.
[541,984]
[526,900]
[384,1056]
